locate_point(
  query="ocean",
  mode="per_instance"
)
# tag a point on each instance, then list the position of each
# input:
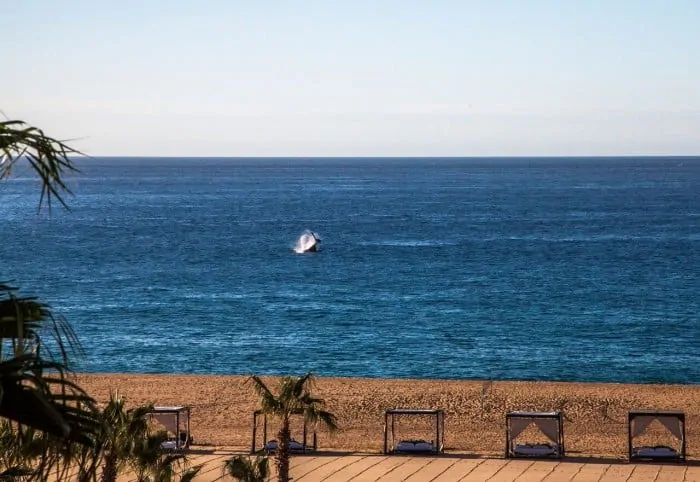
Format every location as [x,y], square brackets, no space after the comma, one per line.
[572,269]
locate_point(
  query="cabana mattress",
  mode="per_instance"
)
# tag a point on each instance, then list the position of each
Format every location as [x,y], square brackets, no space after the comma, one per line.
[657,452]
[417,446]
[535,450]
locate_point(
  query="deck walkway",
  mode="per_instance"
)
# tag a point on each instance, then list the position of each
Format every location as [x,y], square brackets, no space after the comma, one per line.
[454,467]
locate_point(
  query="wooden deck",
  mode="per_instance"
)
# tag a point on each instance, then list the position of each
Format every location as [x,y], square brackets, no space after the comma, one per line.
[454,467]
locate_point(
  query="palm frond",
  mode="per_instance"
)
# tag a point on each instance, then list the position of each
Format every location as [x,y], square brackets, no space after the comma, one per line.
[190,474]
[123,439]
[48,157]
[152,462]
[24,319]
[327,419]
[54,405]
[268,402]
[303,385]
[244,469]
[53,412]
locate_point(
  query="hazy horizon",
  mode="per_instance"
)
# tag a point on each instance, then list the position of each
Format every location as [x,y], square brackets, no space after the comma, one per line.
[358,79]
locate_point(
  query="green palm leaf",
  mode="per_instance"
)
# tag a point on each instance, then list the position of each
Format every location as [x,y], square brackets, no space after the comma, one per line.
[294,397]
[23,320]
[244,469]
[59,422]
[48,157]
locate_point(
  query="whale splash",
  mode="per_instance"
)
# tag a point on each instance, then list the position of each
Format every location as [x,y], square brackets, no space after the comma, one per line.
[308,242]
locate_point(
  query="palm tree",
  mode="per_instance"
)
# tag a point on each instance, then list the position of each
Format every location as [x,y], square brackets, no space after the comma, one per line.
[23,448]
[244,469]
[154,464]
[127,441]
[36,391]
[294,397]
[123,432]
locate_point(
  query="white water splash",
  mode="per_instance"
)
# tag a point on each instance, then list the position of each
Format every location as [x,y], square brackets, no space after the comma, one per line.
[307,242]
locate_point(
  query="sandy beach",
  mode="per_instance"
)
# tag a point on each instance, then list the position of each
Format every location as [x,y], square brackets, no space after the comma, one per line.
[595,423]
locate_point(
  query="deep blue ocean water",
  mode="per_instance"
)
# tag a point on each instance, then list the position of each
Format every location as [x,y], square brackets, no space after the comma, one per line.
[547,269]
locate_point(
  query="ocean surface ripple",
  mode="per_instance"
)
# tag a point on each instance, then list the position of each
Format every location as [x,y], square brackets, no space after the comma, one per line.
[537,269]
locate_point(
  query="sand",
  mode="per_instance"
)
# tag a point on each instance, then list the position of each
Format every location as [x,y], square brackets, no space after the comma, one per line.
[595,423]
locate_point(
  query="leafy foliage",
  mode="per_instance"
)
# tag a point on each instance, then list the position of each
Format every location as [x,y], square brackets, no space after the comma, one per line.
[245,469]
[294,397]
[154,464]
[57,423]
[48,157]
[19,447]
[122,432]
[127,441]
[39,395]
[24,319]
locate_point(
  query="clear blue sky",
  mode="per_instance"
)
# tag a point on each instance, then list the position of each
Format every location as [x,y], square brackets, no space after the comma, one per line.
[357,78]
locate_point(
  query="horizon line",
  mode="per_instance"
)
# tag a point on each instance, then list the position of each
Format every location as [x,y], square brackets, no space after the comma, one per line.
[548,156]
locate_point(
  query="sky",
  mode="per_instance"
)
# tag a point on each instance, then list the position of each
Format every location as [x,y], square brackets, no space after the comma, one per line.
[356,78]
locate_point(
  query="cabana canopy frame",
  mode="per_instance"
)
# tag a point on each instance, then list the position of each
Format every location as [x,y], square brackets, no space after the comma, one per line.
[259,414]
[390,442]
[549,423]
[176,420]
[637,423]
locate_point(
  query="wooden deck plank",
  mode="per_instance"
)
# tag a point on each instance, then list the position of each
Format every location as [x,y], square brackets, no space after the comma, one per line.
[671,473]
[485,470]
[371,467]
[327,471]
[538,471]
[617,472]
[590,473]
[459,470]
[375,471]
[211,463]
[692,474]
[432,469]
[305,470]
[408,467]
[645,473]
[298,460]
[355,468]
[563,471]
[511,469]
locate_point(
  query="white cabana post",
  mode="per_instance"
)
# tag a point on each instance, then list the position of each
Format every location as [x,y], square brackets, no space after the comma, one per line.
[392,446]
[549,423]
[639,421]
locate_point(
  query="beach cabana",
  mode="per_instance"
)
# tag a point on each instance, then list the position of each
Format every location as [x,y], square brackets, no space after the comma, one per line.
[270,446]
[176,420]
[550,424]
[637,423]
[392,445]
